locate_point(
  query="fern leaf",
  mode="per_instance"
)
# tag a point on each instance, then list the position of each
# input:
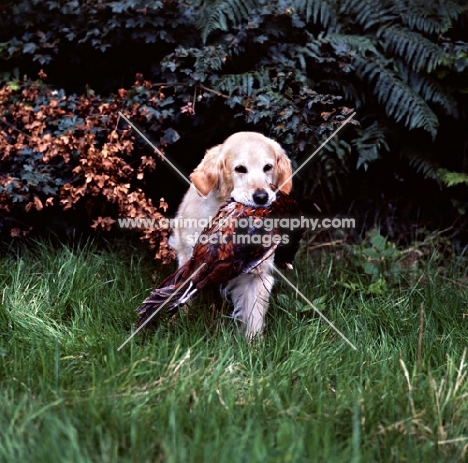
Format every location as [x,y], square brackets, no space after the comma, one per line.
[431,170]
[426,25]
[430,90]
[422,165]
[369,13]
[247,83]
[210,58]
[430,17]
[369,144]
[320,11]
[399,100]
[413,48]
[343,87]
[357,43]
[452,178]
[217,14]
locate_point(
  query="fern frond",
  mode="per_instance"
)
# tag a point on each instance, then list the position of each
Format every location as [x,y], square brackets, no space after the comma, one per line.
[430,90]
[319,11]
[432,170]
[217,14]
[346,89]
[452,178]
[247,83]
[357,43]
[399,100]
[413,48]
[313,49]
[211,58]
[430,17]
[369,144]
[369,13]
[422,165]
[333,159]
[427,25]
[453,9]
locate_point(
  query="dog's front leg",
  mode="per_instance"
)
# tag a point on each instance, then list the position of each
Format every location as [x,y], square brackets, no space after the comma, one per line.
[249,294]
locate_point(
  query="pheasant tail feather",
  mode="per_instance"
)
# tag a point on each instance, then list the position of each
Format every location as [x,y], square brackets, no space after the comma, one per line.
[170,295]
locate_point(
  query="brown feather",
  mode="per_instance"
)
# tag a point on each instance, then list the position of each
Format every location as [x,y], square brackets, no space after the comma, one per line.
[226,259]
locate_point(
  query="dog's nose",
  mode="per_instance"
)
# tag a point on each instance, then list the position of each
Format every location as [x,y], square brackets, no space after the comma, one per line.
[260,197]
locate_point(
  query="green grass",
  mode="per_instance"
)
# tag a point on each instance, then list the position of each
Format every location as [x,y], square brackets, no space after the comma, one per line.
[195,391]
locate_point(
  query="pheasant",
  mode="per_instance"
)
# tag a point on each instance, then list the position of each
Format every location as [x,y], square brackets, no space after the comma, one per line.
[236,242]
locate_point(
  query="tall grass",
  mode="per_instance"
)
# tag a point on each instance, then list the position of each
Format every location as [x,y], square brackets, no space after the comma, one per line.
[195,391]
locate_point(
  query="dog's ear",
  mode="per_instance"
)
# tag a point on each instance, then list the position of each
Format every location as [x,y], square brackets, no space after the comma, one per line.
[206,176]
[284,169]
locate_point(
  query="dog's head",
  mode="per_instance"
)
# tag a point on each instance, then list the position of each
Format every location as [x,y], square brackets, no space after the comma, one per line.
[244,167]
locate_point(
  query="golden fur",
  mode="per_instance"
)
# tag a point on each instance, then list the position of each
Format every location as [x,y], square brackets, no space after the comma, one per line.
[242,168]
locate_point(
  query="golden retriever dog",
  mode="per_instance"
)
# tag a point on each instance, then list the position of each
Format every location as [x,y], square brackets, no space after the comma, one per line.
[242,168]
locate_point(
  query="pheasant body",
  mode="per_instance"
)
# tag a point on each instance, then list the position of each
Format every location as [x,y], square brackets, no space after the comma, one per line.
[231,245]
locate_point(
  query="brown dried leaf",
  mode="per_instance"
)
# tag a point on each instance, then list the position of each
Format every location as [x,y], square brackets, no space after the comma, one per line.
[15,232]
[38,204]
[103,223]
[163,205]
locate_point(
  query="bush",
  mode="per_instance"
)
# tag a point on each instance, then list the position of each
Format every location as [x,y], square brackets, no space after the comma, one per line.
[71,155]
[291,70]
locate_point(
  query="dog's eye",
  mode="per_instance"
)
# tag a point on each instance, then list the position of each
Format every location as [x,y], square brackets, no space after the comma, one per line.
[267,168]
[240,169]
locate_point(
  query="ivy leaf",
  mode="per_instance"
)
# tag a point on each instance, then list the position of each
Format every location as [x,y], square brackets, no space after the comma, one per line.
[170,137]
[48,190]
[378,241]
[42,59]
[371,269]
[29,47]
[372,253]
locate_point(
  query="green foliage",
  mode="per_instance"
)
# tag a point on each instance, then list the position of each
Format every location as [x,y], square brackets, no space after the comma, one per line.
[376,264]
[453,178]
[292,70]
[99,26]
[368,14]
[305,12]
[223,14]
[370,143]
[399,100]
[376,261]
[417,51]
[399,72]
[432,171]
